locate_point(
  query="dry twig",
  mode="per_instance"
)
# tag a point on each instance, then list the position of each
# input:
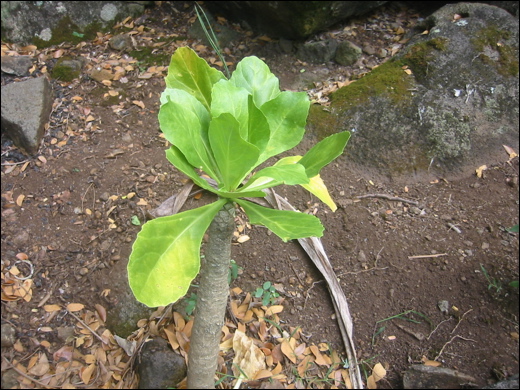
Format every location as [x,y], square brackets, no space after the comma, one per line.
[388,197]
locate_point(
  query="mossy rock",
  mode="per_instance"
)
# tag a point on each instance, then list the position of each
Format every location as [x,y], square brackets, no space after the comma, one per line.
[68,31]
[451,114]
[67,69]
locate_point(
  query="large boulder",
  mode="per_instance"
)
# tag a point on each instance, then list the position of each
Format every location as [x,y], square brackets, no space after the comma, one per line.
[53,22]
[290,19]
[444,105]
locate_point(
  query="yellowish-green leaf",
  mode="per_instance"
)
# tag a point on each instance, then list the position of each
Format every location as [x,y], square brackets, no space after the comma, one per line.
[165,256]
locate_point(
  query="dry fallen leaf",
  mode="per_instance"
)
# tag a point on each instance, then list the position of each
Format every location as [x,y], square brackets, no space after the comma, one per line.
[378,372]
[288,349]
[75,306]
[510,151]
[243,238]
[86,373]
[40,368]
[51,308]
[248,357]
[139,103]
[19,200]
[102,312]
[480,170]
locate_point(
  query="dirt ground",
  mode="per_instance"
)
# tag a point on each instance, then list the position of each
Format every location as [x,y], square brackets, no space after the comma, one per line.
[67,216]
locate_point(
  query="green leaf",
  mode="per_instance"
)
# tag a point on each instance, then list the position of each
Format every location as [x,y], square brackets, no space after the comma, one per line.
[324,152]
[135,220]
[178,160]
[254,75]
[513,229]
[316,186]
[184,122]
[175,156]
[227,98]
[235,157]
[287,116]
[258,127]
[271,176]
[165,256]
[189,72]
[287,225]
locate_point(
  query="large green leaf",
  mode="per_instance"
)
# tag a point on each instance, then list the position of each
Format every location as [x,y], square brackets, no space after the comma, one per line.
[258,127]
[189,72]
[235,157]
[254,75]
[165,256]
[287,116]
[185,122]
[175,156]
[227,98]
[178,160]
[324,152]
[287,225]
[290,174]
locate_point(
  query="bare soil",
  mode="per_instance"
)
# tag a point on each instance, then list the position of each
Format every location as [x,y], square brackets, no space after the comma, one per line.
[68,209]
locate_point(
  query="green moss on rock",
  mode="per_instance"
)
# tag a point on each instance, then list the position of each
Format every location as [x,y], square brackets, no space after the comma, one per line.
[68,31]
[389,80]
[420,55]
[322,122]
[65,70]
[489,44]
[147,57]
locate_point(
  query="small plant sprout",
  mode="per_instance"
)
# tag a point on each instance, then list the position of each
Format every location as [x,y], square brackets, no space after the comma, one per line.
[493,283]
[222,129]
[268,294]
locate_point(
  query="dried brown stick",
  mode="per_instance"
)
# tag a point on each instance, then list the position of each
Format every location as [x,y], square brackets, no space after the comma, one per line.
[88,327]
[388,197]
[427,256]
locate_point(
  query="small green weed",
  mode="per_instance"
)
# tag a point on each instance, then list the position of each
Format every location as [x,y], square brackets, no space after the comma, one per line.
[513,229]
[401,316]
[492,282]
[191,302]
[234,269]
[267,292]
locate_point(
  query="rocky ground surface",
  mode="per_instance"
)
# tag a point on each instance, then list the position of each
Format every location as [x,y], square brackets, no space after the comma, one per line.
[426,265]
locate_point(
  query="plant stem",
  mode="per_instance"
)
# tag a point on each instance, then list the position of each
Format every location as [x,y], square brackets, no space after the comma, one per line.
[212,300]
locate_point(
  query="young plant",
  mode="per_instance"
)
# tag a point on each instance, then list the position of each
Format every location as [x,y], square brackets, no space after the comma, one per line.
[267,292]
[492,282]
[224,129]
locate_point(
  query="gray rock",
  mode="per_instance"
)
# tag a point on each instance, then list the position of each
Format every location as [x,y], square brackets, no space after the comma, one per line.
[286,46]
[510,383]
[26,106]
[290,19]
[23,21]
[159,367]
[120,42]
[427,377]
[8,336]
[347,53]
[10,379]
[67,69]
[452,113]
[318,52]
[17,65]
